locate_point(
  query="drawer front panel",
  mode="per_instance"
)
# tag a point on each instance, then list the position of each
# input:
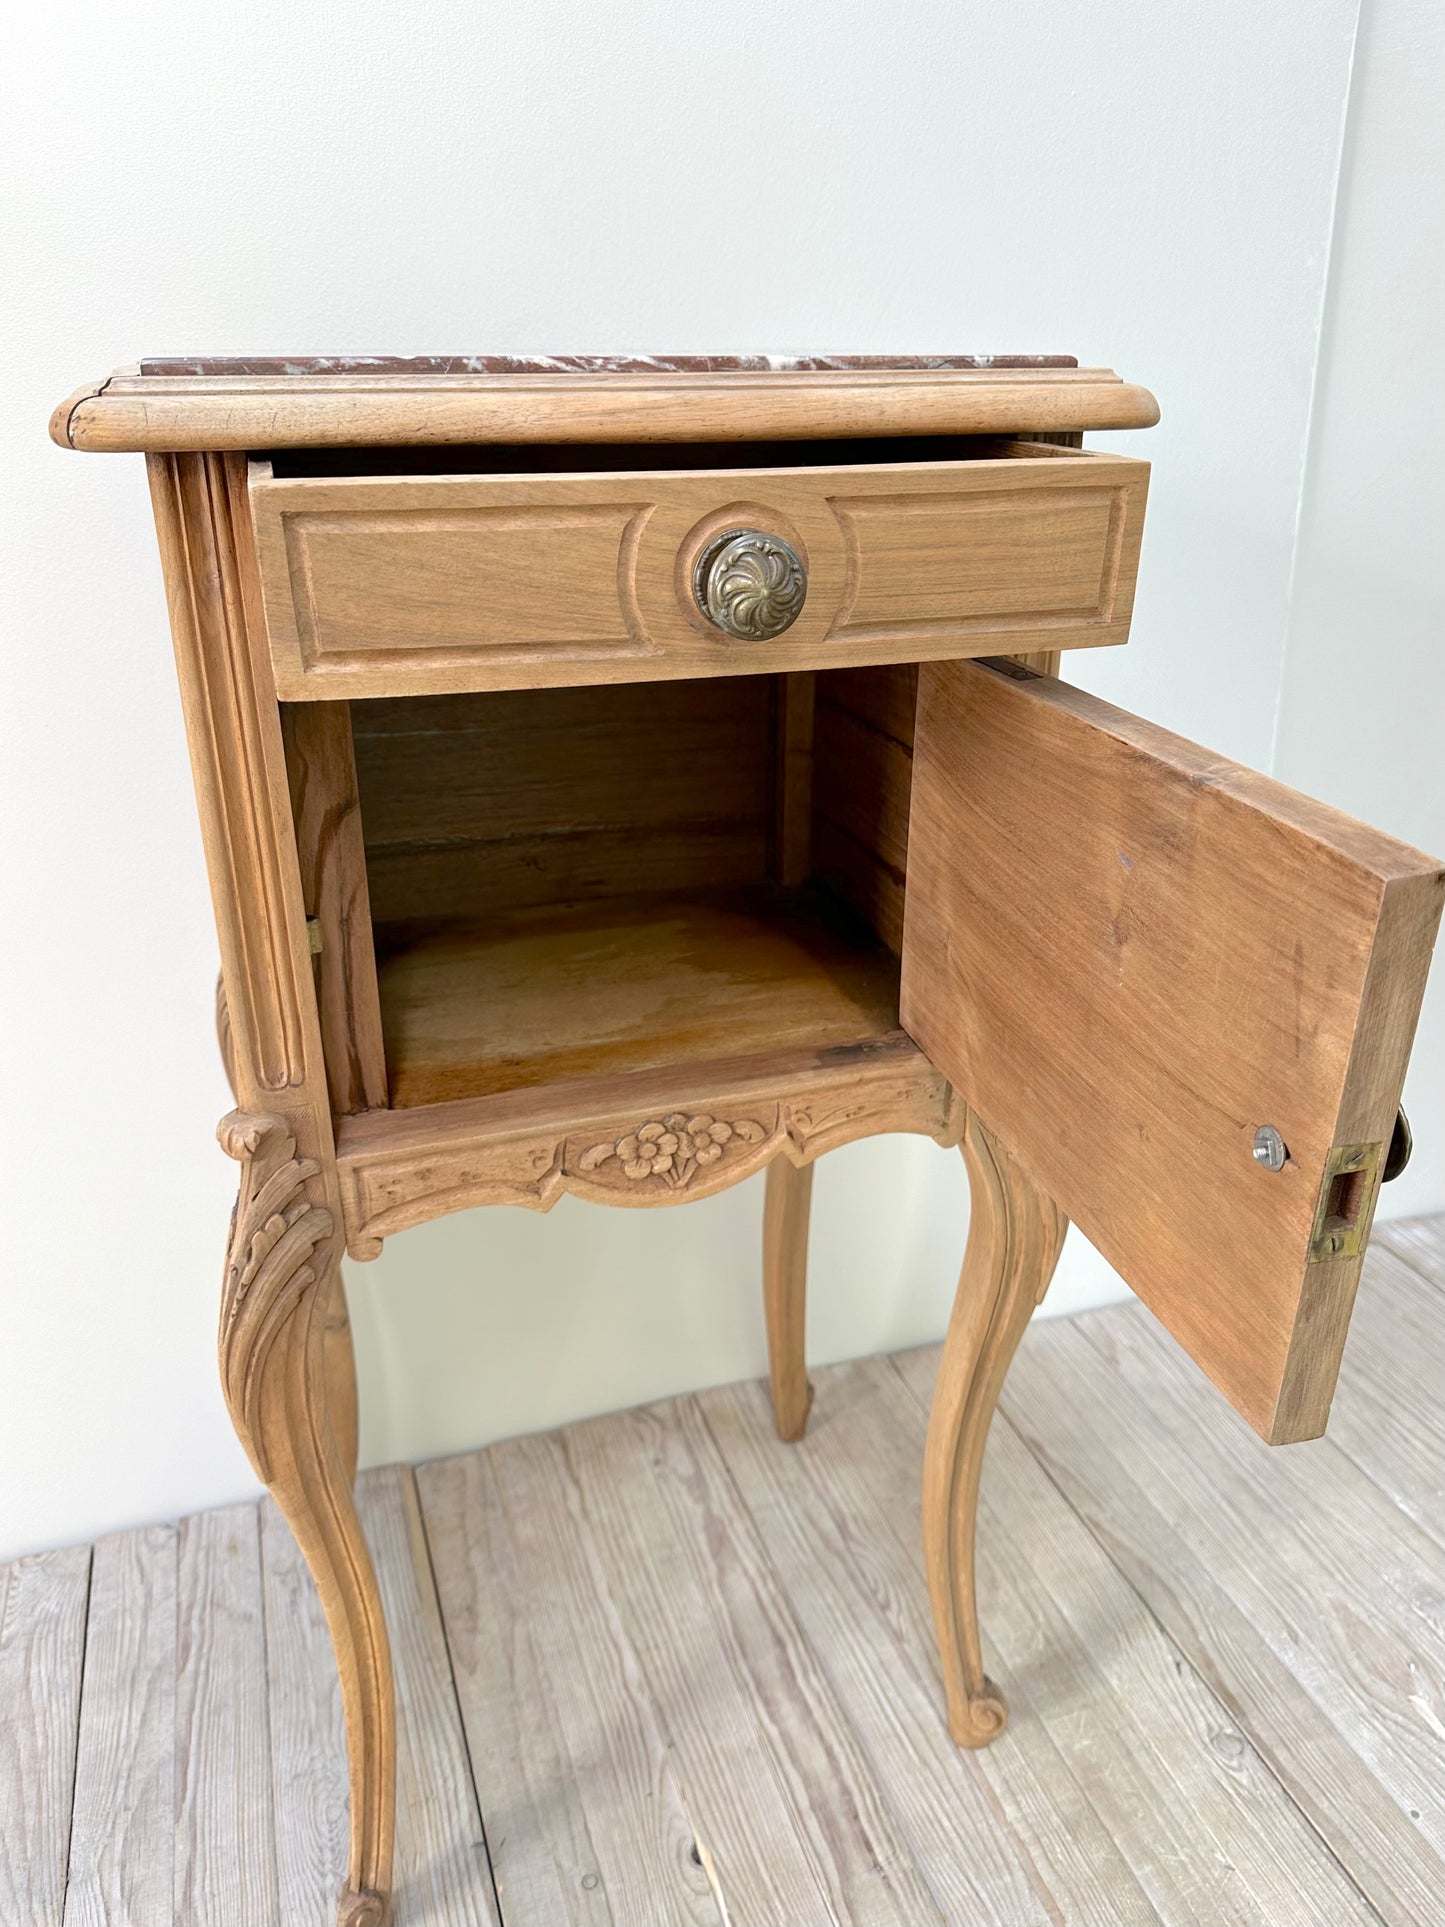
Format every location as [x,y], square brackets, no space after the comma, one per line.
[948,562]
[415,585]
[467,579]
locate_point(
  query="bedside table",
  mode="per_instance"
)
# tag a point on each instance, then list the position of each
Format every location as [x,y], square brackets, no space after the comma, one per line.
[622,776]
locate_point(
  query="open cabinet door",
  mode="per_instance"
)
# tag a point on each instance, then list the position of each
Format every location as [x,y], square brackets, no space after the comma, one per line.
[1128,955]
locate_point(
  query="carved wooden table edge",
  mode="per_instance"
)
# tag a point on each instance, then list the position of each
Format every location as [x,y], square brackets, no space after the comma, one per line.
[651,1138]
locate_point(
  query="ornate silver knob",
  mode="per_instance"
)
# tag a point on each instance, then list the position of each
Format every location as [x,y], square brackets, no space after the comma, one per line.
[749,584]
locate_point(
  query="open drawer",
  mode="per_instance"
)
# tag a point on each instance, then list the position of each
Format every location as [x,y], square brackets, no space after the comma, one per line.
[502,574]
[1130,956]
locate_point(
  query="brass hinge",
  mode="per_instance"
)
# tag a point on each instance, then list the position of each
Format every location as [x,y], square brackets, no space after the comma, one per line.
[1348,1190]
[313,935]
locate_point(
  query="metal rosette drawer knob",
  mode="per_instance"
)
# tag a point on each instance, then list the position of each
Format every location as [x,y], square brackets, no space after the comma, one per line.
[750,585]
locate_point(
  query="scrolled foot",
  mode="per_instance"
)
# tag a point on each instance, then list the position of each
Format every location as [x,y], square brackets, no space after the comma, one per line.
[362,1908]
[981,1718]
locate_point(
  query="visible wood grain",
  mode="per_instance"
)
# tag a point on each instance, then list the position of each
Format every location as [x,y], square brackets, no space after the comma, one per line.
[443,1878]
[238,764]
[1116,1455]
[579,1786]
[794,1824]
[418,584]
[537,1810]
[792,777]
[480,803]
[123,1832]
[225,1846]
[306,1728]
[283,1345]
[1015,1234]
[787,1205]
[42,1647]
[327,814]
[1221,953]
[130,411]
[279,1365]
[1421,1242]
[1183,1768]
[1316,1616]
[863,777]
[1390,1415]
[871,888]
[864,782]
[564,993]
[1006,1836]
[399,1168]
[885,696]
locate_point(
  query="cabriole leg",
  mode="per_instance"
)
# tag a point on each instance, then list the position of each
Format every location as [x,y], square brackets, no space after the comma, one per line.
[1014,1236]
[785,1291]
[279,1339]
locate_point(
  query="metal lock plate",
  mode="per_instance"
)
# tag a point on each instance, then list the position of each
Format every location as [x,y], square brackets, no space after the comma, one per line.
[1346,1207]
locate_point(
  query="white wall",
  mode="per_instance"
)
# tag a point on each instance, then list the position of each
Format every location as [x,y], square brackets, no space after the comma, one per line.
[1362,702]
[1151,187]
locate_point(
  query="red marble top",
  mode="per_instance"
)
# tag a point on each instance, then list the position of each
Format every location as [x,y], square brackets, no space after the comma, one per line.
[575,364]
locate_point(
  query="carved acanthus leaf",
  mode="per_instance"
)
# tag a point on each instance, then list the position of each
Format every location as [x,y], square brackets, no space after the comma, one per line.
[674,1149]
[271,1261]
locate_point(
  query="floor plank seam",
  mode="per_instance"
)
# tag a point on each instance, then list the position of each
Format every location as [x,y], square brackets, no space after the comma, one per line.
[1237,1715]
[1389,1498]
[1088,1323]
[75,1748]
[1258,1673]
[820,1660]
[466,1737]
[1001,1417]
[264,1618]
[1235,1712]
[1409,1254]
[1405,1527]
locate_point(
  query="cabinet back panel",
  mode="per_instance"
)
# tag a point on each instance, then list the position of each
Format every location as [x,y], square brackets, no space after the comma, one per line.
[862,782]
[475,804]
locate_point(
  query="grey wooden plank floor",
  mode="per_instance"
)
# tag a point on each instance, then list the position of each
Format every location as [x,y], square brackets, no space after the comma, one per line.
[659,1668]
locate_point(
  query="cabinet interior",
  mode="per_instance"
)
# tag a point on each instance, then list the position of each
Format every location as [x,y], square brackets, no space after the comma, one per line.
[568,884]
[614,458]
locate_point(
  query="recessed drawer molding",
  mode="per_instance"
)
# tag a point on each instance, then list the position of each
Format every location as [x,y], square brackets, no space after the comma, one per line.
[429,584]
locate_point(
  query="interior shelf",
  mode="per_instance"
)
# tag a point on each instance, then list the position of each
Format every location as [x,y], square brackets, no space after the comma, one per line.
[560,993]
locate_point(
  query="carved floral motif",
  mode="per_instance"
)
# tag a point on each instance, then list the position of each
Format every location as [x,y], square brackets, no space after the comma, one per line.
[674,1148]
[271,1261]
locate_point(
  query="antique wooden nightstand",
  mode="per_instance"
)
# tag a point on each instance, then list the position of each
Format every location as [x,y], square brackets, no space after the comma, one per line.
[599,797]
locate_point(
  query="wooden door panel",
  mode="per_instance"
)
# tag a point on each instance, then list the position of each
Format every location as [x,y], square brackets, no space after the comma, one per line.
[1128,955]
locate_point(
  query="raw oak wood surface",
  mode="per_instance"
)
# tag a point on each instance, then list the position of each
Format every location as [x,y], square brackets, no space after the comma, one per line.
[787,1206]
[692,1676]
[1222,953]
[556,995]
[133,410]
[407,585]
